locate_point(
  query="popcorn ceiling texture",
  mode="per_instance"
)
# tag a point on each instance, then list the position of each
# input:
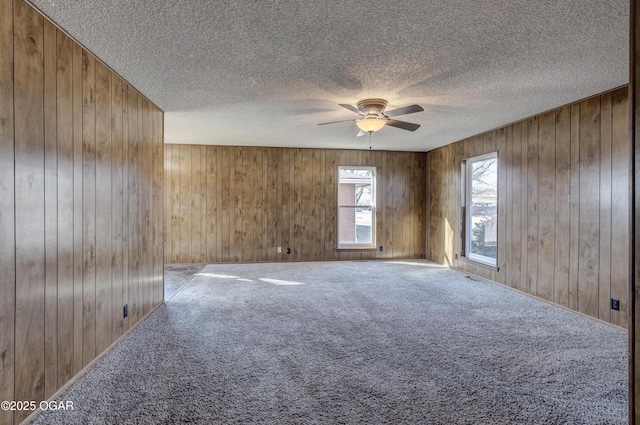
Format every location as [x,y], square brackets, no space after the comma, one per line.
[264,73]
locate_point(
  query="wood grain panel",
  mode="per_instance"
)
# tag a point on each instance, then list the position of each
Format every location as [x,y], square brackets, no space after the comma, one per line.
[212,222]
[126,281]
[259,230]
[604,270]
[306,209]
[524,212]
[516,206]
[620,201]
[287,197]
[566,204]
[50,212]
[103,212]
[77,208]
[546,206]
[562,206]
[174,210]
[29,205]
[574,209]
[134,225]
[246,208]
[117,208]
[589,246]
[237,203]
[64,118]
[532,205]
[88,209]
[197,202]
[225,201]
[273,229]
[7,218]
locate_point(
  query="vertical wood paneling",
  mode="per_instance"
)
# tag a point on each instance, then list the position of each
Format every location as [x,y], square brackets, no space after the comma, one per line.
[77,208]
[574,209]
[620,201]
[224,240]
[126,282]
[604,270]
[62,164]
[29,205]
[269,197]
[516,207]
[273,231]
[50,211]
[134,206]
[64,118]
[589,246]
[7,218]
[259,229]
[212,223]
[88,209]
[420,203]
[117,207]
[532,205]
[103,211]
[566,200]
[246,209]
[196,204]
[546,206]
[306,209]
[562,206]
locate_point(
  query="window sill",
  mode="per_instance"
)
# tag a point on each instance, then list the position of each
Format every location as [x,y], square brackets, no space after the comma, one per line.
[368,248]
[478,263]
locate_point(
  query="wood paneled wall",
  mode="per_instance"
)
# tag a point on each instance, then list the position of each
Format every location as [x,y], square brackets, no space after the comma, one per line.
[563,212]
[80,207]
[237,204]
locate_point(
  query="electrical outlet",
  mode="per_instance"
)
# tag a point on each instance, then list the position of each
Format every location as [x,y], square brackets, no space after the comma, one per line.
[125,310]
[279,249]
[615,304]
[288,250]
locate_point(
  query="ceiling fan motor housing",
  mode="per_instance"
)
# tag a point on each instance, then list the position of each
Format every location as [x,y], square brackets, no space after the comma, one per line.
[372,107]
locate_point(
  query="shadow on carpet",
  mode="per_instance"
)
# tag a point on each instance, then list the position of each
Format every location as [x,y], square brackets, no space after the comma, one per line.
[355,343]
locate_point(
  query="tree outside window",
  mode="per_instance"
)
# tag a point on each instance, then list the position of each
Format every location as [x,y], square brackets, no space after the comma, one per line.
[481,221]
[356,207]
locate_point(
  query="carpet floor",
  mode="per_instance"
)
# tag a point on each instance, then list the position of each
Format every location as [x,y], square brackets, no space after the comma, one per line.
[401,342]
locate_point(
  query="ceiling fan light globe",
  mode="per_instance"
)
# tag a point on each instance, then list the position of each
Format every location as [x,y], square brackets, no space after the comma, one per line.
[371,125]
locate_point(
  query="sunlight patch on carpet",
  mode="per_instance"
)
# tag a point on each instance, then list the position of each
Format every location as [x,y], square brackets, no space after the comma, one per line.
[409,263]
[281,282]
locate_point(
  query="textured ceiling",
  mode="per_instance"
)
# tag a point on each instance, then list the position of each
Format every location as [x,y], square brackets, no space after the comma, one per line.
[263,73]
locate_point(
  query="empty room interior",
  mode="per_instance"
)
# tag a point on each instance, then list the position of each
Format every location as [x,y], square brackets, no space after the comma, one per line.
[294,212]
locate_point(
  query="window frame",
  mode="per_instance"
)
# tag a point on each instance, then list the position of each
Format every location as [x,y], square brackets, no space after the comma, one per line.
[466,186]
[373,205]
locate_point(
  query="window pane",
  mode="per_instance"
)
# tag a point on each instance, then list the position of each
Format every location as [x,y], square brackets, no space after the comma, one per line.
[484,208]
[355,225]
[356,207]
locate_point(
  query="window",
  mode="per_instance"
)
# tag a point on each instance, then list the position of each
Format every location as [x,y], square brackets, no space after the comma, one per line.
[480,209]
[356,207]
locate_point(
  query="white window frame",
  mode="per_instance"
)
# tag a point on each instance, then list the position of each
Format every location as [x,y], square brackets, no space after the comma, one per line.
[467,177]
[374,174]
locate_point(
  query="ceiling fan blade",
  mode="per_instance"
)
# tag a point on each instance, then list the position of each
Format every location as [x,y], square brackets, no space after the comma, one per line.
[403,125]
[350,107]
[403,111]
[334,122]
[361,133]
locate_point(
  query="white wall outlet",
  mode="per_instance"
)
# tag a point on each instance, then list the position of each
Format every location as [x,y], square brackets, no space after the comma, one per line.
[279,250]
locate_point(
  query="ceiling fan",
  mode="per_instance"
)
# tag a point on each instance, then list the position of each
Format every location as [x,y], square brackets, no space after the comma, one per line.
[373,117]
